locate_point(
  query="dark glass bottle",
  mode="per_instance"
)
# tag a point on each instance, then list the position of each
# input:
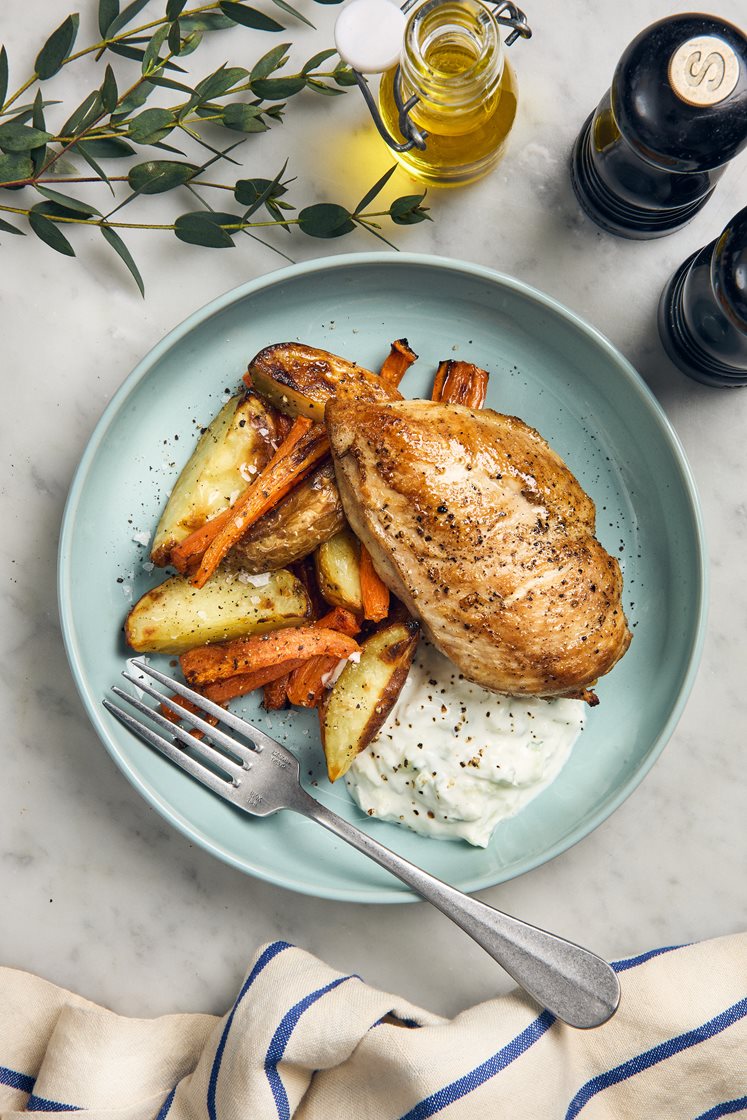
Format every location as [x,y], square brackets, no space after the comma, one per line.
[703,310]
[650,155]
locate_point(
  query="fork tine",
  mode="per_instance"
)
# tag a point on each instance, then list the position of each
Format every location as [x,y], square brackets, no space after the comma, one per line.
[259,738]
[173,753]
[240,752]
[228,765]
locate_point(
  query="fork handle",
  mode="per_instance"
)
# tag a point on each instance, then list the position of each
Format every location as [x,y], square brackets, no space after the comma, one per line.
[574,984]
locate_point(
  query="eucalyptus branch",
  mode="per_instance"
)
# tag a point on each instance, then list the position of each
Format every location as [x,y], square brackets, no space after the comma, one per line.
[112,125]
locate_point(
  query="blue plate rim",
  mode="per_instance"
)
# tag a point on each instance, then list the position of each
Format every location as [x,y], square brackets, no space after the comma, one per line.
[93,706]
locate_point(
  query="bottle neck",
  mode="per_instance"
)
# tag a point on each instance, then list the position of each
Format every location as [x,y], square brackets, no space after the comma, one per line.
[452,58]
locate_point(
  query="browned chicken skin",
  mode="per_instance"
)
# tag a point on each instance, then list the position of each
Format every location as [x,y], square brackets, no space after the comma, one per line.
[481,530]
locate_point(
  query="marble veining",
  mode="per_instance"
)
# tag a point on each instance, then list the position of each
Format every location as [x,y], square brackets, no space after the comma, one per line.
[100,895]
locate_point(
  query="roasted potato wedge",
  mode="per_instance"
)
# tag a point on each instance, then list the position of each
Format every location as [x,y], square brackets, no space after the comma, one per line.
[175,616]
[299,380]
[338,571]
[309,515]
[355,708]
[235,446]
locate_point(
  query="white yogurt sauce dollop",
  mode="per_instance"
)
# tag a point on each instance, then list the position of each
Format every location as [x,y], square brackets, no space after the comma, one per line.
[453,760]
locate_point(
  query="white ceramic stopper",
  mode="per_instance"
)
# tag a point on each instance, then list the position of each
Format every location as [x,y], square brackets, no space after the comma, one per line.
[369,35]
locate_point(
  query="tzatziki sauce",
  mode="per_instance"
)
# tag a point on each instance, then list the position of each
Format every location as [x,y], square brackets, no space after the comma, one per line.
[452,759]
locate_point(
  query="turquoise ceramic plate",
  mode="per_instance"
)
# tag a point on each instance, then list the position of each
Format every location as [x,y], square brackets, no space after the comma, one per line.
[548,367]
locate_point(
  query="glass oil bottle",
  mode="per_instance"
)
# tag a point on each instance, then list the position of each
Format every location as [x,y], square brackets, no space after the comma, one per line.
[454,64]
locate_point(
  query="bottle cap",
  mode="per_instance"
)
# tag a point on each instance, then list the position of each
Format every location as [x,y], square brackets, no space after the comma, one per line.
[369,35]
[679,94]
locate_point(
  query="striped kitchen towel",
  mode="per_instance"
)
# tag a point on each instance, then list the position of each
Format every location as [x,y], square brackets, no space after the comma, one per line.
[304,1041]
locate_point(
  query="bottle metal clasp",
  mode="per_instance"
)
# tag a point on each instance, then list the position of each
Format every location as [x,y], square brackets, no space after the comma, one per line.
[505,13]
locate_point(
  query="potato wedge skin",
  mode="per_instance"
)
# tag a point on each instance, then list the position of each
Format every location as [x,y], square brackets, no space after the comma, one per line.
[355,709]
[308,516]
[338,571]
[299,380]
[236,441]
[175,617]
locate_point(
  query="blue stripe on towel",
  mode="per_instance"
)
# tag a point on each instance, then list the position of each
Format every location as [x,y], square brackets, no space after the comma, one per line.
[657,1054]
[482,1073]
[270,952]
[42,1104]
[15,1080]
[164,1110]
[633,962]
[726,1108]
[281,1038]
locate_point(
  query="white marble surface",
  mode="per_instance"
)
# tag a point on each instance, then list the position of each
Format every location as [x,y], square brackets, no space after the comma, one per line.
[99,894]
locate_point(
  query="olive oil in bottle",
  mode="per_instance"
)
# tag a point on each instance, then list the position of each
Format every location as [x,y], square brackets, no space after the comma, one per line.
[454,63]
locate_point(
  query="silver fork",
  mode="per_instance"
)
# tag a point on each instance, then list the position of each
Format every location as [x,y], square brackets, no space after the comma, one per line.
[260,776]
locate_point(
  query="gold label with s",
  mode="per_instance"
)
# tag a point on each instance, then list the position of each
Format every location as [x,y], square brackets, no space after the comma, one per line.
[703,71]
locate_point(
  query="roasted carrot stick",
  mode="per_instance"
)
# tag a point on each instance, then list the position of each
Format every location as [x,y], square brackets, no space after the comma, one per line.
[196,544]
[276,693]
[397,363]
[305,445]
[460,383]
[221,691]
[244,655]
[340,619]
[374,591]
[306,683]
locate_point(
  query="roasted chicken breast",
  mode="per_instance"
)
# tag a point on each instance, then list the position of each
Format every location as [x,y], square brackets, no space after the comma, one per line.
[482,531]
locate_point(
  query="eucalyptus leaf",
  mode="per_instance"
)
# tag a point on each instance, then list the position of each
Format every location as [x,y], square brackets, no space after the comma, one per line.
[110,148]
[157,176]
[15,167]
[215,85]
[3,77]
[48,232]
[378,186]
[270,62]
[108,12]
[329,1]
[273,89]
[174,9]
[174,38]
[57,47]
[55,210]
[253,192]
[317,60]
[406,211]
[249,17]
[76,122]
[325,219]
[291,11]
[73,205]
[151,58]
[94,165]
[203,227]
[151,126]
[206,21]
[319,87]
[109,91]
[344,76]
[37,113]
[16,137]
[169,83]
[243,117]
[137,55]
[125,17]
[112,238]
[6,227]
